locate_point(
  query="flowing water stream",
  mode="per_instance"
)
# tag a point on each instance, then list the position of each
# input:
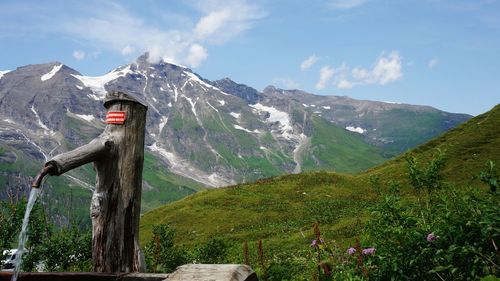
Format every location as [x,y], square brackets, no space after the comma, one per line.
[23,236]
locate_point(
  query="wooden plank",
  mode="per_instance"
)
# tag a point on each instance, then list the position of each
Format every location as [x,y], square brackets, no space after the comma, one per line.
[213,272]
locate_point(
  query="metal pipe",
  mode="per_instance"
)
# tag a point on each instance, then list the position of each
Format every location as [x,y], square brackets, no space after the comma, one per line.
[50,168]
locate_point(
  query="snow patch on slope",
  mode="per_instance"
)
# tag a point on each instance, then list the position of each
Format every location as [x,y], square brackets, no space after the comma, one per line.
[51,73]
[198,120]
[184,168]
[276,115]
[358,130]
[40,123]
[195,78]
[88,118]
[235,115]
[3,72]
[97,83]
[303,142]
[215,109]
[176,94]
[193,109]
[30,141]
[246,130]
[163,122]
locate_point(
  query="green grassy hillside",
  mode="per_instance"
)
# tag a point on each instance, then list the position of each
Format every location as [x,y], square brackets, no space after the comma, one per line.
[468,148]
[282,210]
[335,149]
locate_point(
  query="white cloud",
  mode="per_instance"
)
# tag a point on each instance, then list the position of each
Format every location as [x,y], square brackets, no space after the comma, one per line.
[224,20]
[127,50]
[346,4]
[325,74]
[307,63]
[387,69]
[286,83]
[196,55]
[344,84]
[432,63]
[78,54]
[113,27]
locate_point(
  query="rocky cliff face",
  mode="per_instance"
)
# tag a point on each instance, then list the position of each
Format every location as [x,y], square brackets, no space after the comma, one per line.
[201,132]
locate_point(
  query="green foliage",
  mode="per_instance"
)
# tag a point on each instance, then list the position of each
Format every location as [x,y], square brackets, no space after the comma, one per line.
[452,238]
[490,177]
[214,251]
[490,278]
[279,271]
[428,178]
[67,249]
[11,216]
[54,249]
[161,253]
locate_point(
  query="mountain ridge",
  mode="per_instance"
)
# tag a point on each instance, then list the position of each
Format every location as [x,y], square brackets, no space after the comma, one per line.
[212,133]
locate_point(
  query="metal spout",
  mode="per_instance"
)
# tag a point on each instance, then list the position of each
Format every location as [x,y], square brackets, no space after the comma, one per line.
[50,168]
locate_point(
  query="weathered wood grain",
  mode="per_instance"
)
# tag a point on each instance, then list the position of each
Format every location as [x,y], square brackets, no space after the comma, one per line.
[213,272]
[118,156]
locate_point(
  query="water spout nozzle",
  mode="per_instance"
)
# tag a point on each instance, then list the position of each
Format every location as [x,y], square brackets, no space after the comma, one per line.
[50,168]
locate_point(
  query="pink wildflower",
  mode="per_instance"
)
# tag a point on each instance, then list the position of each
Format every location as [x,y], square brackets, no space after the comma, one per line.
[431,237]
[369,251]
[351,251]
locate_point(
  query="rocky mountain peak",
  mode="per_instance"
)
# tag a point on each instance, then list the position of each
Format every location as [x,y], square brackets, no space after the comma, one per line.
[144,62]
[269,89]
[243,91]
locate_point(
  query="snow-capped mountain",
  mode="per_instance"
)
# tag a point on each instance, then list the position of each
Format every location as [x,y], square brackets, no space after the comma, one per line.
[214,133]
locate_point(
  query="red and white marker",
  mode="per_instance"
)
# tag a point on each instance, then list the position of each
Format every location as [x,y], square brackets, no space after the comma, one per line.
[115,117]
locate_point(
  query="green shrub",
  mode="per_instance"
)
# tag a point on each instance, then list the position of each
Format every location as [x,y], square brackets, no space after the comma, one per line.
[67,249]
[161,254]
[450,237]
[212,252]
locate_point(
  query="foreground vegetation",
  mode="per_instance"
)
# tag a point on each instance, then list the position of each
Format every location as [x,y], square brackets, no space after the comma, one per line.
[443,233]
[431,214]
[281,211]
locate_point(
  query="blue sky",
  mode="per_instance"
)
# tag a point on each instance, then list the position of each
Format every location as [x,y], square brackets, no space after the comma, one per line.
[443,53]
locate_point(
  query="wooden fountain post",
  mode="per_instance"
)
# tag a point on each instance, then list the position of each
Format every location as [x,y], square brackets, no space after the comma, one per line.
[118,156]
